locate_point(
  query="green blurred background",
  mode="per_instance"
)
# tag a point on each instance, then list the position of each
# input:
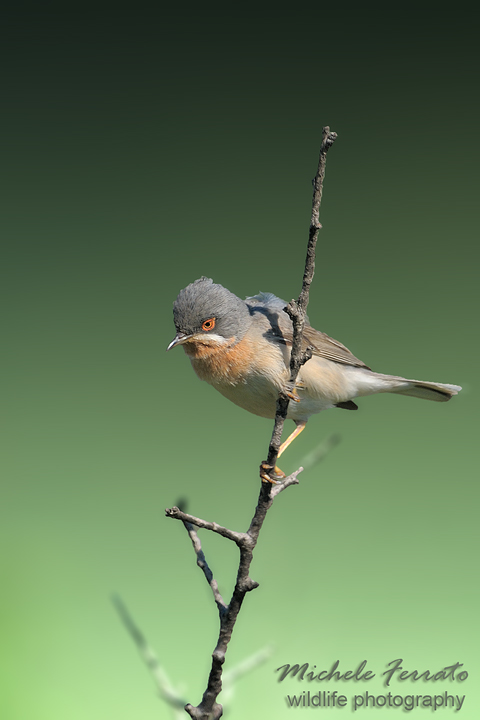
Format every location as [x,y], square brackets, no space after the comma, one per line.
[142,149]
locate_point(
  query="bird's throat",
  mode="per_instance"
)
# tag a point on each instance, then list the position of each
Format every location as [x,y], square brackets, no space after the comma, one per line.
[228,363]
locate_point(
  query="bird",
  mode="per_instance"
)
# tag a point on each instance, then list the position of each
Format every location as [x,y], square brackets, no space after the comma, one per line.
[242,348]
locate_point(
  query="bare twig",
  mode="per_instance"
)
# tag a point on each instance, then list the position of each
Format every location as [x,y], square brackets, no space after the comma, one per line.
[177,514]
[160,677]
[231,676]
[297,310]
[321,451]
[203,565]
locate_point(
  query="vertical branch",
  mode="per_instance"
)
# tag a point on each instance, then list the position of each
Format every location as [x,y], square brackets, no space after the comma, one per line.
[297,310]
[209,708]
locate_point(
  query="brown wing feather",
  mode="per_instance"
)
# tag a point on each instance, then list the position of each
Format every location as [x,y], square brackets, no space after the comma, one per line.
[331,349]
[322,345]
[281,329]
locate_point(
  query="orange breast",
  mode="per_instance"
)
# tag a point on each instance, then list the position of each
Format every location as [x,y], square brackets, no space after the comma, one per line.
[218,364]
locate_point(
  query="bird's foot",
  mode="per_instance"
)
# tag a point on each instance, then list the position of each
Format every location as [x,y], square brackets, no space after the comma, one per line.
[291,391]
[293,395]
[271,474]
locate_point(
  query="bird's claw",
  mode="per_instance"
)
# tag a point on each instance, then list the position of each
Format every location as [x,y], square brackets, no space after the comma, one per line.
[271,474]
[293,395]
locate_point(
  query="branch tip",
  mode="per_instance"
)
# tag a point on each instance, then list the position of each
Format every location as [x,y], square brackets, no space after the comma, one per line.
[289,480]
[328,138]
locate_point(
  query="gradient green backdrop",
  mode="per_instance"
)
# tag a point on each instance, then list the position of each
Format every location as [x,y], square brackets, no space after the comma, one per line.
[142,149]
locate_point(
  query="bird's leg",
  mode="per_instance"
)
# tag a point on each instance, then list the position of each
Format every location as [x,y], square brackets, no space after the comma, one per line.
[291,437]
[278,474]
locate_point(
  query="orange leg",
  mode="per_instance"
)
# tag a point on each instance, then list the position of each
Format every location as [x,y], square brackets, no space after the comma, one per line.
[279,474]
[291,438]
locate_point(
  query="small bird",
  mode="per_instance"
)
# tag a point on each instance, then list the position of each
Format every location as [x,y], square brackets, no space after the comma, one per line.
[242,348]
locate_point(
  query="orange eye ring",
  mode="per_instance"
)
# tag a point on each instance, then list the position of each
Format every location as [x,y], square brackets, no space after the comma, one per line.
[208,324]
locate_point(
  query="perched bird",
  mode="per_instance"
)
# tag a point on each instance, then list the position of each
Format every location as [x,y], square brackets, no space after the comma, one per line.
[242,348]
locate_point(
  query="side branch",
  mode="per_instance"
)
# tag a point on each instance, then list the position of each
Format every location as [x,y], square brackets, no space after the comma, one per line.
[162,682]
[177,514]
[203,565]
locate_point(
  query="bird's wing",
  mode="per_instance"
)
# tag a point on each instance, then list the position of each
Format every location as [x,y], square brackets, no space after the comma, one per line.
[331,349]
[322,345]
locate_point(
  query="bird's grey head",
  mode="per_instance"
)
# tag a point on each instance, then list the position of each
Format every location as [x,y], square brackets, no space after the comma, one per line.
[208,312]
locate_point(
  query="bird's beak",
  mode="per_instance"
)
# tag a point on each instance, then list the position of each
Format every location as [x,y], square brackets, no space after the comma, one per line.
[179,339]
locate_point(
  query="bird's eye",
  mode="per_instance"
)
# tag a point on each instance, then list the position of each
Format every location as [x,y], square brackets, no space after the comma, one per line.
[208,324]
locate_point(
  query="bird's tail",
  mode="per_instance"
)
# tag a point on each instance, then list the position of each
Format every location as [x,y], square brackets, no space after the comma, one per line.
[439,392]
